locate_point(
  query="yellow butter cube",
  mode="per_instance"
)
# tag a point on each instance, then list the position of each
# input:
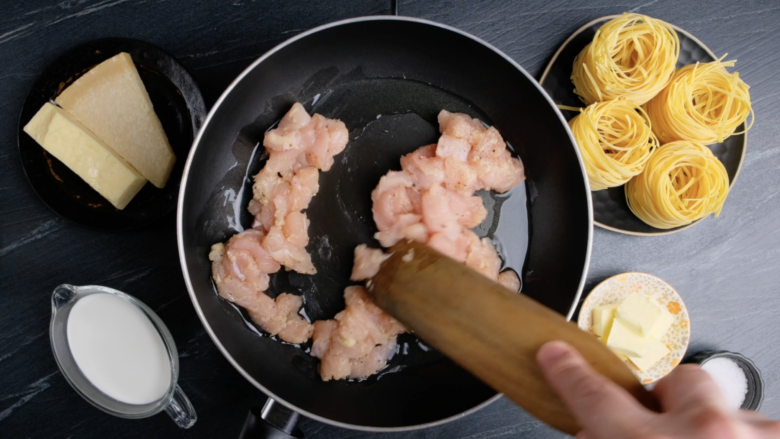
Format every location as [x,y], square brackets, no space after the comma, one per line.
[602,318]
[639,313]
[608,328]
[623,340]
[662,325]
[655,352]
[621,356]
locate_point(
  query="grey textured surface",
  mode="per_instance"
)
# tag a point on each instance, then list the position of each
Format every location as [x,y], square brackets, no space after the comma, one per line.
[725,268]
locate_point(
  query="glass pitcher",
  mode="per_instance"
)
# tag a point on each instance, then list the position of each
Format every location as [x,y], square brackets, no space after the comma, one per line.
[174,401]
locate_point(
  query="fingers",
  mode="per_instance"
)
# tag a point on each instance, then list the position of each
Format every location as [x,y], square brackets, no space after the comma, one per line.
[767,429]
[763,427]
[602,408]
[751,416]
[689,386]
[690,389]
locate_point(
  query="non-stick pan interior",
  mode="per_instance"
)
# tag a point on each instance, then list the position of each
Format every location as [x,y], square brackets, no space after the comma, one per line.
[387,80]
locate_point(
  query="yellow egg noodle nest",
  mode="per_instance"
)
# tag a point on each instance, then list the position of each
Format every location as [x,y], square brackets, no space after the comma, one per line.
[615,139]
[703,103]
[682,182]
[632,56]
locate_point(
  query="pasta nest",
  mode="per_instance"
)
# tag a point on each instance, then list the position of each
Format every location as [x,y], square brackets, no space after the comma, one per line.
[615,139]
[703,103]
[682,182]
[632,56]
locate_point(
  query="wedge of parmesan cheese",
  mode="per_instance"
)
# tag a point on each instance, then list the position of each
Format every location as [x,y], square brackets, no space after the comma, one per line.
[113,103]
[86,155]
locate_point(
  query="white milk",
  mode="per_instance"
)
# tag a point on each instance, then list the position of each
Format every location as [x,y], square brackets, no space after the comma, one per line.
[118,349]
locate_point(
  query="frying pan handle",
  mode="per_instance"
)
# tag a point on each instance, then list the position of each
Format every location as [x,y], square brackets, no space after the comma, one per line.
[273,421]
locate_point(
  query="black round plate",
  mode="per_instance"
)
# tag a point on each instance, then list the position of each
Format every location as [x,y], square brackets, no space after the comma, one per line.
[610,209]
[177,102]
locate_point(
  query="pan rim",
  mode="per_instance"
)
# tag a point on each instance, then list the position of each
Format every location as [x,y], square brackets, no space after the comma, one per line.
[196,144]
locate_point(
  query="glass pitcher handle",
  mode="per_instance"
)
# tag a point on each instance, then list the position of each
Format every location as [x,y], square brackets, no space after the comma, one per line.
[63,295]
[180,409]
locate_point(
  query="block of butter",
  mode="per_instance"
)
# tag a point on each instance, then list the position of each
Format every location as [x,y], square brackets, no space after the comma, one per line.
[625,341]
[602,318]
[86,155]
[662,325]
[639,313]
[655,351]
[113,103]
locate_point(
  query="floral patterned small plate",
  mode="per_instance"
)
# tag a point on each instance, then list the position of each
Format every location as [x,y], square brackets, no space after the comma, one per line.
[617,288]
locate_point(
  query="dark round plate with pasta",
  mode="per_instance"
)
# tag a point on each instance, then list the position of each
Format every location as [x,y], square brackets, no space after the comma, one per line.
[610,209]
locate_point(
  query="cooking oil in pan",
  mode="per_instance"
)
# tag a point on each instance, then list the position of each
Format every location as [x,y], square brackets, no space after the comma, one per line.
[387,119]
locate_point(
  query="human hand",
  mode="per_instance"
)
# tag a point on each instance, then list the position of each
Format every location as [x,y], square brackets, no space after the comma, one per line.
[692,405]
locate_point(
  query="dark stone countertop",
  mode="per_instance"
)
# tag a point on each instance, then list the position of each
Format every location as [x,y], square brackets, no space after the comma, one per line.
[726,269]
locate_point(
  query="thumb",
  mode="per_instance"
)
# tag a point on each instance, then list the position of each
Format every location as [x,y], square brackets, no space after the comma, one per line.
[603,409]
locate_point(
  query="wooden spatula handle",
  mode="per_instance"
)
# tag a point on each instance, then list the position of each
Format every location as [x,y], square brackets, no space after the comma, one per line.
[489,330]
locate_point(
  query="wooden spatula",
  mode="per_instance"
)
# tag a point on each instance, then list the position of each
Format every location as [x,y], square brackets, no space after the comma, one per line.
[492,332]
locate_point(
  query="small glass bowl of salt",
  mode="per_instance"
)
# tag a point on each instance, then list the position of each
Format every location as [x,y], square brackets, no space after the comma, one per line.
[737,376]
[117,353]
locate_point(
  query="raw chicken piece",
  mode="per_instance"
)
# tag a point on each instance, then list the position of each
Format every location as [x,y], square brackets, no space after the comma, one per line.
[449,212]
[281,202]
[431,200]
[358,342]
[459,125]
[303,187]
[391,198]
[482,257]
[329,137]
[240,270]
[416,232]
[293,327]
[509,279]
[495,167]
[460,176]
[372,363]
[295,229]
[243,259]
[468,209]
[468,157]
[396,208]
[295,119]
[282,140]
[298,148]
[323,330]
[248,242]
[454,248]
[280,166]
[265,216]
[450,146]
[424,166]
[367,262]
[293,257]
[437,213]
[230,286]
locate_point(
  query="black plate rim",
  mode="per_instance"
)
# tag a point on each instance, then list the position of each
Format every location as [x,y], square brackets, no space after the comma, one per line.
[197,118]
[194,148]
[661,232]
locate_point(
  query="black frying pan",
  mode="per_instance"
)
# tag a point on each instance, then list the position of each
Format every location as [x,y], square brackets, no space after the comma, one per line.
[386,78]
